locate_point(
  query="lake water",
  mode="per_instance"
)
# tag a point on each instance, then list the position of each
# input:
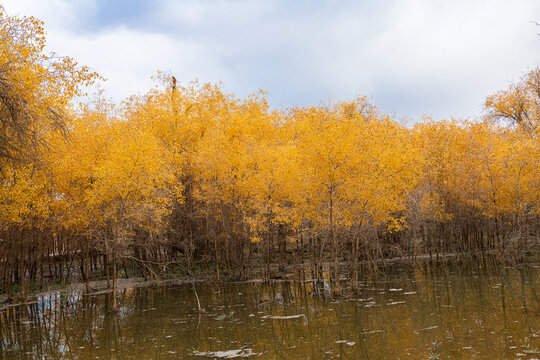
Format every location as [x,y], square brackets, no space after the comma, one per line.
[470,311]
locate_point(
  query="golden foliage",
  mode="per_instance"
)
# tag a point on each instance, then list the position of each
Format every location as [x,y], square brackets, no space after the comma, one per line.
[244,169]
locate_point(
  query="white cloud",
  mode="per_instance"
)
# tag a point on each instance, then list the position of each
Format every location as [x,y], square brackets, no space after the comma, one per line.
[128,58]
[409,56]
[57,14]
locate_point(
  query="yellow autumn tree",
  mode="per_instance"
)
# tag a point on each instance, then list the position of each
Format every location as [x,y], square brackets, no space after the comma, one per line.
[36,91]
[356,169]
[519,103]
[132,188]
[70,164]
[35,87]
[227,166]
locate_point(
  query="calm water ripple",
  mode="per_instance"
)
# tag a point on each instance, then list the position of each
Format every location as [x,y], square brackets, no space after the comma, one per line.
[426,312]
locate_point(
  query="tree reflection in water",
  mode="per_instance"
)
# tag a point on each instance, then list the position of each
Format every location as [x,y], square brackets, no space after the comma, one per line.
[469,310]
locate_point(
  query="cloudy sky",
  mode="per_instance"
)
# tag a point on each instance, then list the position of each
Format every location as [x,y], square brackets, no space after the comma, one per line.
[410,57]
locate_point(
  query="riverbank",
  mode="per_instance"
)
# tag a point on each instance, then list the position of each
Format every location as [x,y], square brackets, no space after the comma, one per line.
[279,271]
[98,287]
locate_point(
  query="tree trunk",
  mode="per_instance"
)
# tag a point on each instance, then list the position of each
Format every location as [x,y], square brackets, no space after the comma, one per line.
[114,303]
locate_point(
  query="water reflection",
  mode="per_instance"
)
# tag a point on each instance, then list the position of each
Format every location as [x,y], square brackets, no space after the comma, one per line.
[449,312]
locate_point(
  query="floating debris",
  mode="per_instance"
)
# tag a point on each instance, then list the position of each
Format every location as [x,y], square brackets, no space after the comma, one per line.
[224,316]
[283,317]
[427,328]
[371,303]
[228,354]
[363,299]
[346,342]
